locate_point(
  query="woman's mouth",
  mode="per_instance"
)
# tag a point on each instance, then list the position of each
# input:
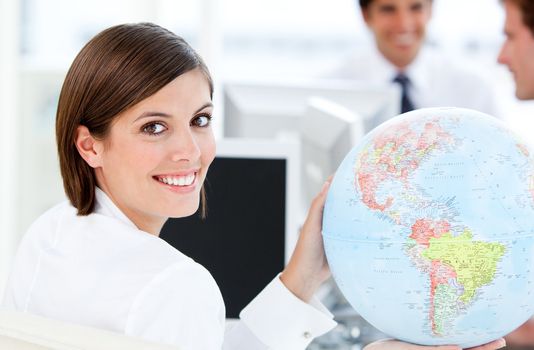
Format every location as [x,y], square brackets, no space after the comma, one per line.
[177,180]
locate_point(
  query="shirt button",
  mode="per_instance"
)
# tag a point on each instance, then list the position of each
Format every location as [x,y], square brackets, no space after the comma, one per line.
[307,335]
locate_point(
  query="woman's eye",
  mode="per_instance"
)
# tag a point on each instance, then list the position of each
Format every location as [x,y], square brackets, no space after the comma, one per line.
[154,128]
[201,121]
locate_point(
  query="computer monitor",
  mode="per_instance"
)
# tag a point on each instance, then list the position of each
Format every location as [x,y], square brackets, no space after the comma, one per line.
[253,218]
[328,132]
[274,109]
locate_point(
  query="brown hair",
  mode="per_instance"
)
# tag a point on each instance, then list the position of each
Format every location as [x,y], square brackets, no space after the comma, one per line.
[527,12]
[118,68]
[364,4]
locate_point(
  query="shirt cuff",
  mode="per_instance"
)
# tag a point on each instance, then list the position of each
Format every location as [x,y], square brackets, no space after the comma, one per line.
[282,321]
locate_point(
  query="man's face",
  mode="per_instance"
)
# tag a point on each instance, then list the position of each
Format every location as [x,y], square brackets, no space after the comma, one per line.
[517,52]
[399,27]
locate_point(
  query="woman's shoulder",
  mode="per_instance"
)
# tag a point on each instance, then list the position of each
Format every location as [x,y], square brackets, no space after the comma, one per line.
[53,214]
[102,238]
[120,253]
[47,224]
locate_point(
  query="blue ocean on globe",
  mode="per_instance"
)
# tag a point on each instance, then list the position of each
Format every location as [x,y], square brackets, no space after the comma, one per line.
[429,228]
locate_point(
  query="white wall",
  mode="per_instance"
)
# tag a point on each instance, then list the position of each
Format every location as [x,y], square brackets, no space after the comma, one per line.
[9,34]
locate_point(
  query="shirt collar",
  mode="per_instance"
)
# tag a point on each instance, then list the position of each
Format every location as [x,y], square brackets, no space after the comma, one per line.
[382,70]
[105,206]
[386,71]
[417,71]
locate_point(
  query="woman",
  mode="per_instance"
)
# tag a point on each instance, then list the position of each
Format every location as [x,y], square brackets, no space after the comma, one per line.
[135,143]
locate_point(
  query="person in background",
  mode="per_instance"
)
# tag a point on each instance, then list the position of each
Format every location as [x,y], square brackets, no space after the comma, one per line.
[426,78]
[517,53]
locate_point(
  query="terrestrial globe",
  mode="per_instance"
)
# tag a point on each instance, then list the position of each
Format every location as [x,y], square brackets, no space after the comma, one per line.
[429,228]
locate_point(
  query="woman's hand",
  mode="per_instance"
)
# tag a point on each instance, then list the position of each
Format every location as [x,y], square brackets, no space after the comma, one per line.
[308,269]
[398,345]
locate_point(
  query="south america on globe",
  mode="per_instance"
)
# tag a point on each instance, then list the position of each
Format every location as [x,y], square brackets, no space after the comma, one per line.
[429,228]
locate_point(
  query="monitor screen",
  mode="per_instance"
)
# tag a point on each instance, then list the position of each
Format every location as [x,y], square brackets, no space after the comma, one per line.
[328,132]
[242,240]
[267,110]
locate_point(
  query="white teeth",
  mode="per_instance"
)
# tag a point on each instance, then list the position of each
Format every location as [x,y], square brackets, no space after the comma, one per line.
[190,179]
[178,180]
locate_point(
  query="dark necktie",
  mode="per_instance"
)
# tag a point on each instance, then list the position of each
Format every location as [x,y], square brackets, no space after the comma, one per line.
[406,102]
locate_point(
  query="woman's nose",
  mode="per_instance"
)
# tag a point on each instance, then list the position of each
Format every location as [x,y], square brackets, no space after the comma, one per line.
[185,147]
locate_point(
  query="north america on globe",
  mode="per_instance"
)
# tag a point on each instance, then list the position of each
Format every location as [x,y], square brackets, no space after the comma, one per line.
[427,219]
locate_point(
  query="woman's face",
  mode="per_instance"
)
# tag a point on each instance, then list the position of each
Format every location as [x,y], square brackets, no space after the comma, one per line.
[157,154]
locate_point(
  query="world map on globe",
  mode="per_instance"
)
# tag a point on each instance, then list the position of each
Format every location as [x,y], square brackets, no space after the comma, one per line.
[429,228]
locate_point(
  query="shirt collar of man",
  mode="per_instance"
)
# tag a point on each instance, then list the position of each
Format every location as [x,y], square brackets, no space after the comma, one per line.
[382,69]
[386,72]
[417,72]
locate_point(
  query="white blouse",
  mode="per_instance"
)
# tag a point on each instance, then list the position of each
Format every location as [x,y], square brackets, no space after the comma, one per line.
[101,271]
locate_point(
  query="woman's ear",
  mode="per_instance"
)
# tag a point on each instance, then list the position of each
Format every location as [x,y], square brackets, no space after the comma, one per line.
[89,148]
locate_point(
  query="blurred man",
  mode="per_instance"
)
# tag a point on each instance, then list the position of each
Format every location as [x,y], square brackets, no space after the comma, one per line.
[518,50]
[426,78]
[518,54]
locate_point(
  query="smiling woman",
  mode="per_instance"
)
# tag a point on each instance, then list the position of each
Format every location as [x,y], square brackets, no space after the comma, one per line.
[135,143]
[90,96]
[160,147]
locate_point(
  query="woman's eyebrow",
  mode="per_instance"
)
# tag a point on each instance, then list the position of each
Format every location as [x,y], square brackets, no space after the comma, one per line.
[152,114]
[166,115]
[205,105]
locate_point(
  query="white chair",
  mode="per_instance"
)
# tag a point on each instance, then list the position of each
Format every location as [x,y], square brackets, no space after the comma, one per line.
[21,331]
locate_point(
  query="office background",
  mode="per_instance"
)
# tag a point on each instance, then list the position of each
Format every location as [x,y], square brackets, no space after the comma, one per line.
[241,40]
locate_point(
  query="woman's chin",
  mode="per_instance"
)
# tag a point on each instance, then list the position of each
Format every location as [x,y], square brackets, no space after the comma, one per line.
[183,212]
